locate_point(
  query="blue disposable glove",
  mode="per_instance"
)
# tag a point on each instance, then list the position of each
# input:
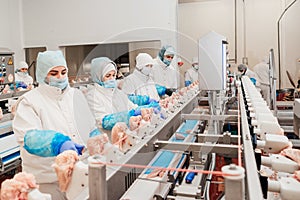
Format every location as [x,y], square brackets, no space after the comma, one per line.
[161,90]
[137,112]
[70,145]
[152,100]
[21,84]
[253,80]
[187,83]
[139,99]
[95,132]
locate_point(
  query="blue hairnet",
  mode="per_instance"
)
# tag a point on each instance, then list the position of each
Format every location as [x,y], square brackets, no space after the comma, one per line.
[46,61]
[101,66]
[166,50]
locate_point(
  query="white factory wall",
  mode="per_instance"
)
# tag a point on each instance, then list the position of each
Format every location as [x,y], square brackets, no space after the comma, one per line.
[52,24]
[256,33]
[11,28]
[72,22]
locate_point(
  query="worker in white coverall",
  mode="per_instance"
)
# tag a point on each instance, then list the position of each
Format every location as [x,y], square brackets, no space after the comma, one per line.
[140,82]
[50,119]
[191,75]
[263,78]
[22,78]
[106,101]
[165,72]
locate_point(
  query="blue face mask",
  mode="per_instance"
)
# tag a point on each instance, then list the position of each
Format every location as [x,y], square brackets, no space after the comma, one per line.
[61,83]
[167,62]
[110,83]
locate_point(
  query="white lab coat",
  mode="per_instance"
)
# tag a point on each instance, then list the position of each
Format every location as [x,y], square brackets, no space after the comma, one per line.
[45,108]
[165,75]
[105,101]
[250,74]
[140,84]
[191,75]
[262,73]
[27,79]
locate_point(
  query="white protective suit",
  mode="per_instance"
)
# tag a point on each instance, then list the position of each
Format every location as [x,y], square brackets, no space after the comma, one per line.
[165,75]
[23,77]
[191,75]
[138,83]
[250,74]
[49,108]
[263,77]
[46,108]
[103,101]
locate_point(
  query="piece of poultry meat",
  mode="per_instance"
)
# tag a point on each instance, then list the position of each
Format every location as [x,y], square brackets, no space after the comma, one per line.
[18,187]
[95,145]
[64,165]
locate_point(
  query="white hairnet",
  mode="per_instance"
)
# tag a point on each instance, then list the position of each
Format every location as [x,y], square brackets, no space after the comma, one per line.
[194,60]
[100,67]
[21,65]
[170,51]
[242,67]
[143,59]
[46,61]
[179,59]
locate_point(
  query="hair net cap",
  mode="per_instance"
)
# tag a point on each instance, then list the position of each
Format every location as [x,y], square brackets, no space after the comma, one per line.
[21,65]
[242,67]
[46,61]
[100,67]
[166,50]
[195,60]
[170,51]
[143,59]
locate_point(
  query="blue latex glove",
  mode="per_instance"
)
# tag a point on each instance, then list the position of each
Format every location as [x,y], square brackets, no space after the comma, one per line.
[137,112]
[152,100]
[95,132]
[187,83]
[70,145]
[21,84]
[253,80]
[161,90]
[140,100]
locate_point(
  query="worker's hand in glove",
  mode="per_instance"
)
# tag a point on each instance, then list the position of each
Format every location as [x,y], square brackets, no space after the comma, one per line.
[152,100]
[69,145]
[21,84]
[169,91]
[137,112]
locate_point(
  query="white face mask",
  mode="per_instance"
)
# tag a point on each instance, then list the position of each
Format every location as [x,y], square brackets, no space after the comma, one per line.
[22,74]
[61,83]
[146,70]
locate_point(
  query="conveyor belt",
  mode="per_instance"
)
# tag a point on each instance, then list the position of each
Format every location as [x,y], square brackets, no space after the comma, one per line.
[162,159]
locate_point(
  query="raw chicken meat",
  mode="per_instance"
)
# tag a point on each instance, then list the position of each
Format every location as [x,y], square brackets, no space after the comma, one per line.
[134,122]
[95,145]
[18,187]
[147,114]
[293,154]
[297,175]
[156,173]
[64,165]
[120,137]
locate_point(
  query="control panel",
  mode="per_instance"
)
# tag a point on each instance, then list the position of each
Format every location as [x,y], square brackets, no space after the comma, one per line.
[6,68]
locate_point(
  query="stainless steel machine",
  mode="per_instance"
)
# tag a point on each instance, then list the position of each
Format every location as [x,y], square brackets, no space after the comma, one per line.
[9,149]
